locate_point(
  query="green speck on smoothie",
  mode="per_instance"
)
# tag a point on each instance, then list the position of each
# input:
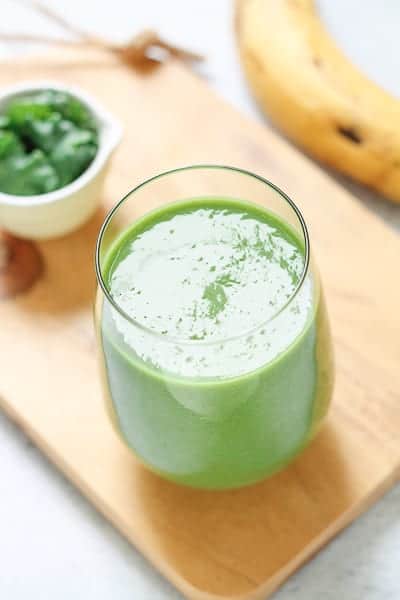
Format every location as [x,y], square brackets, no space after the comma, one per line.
[215,294]
[227,280]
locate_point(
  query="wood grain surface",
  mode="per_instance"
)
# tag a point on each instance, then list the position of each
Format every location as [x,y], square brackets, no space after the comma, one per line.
[230,545]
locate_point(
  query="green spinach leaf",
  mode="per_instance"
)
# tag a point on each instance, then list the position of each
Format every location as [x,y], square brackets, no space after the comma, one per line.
[47,139]
[28,175]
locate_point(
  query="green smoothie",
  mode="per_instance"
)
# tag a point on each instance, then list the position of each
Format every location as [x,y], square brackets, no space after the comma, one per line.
[218,362]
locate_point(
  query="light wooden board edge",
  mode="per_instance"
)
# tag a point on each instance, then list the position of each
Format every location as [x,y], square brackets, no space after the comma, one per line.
[319,541]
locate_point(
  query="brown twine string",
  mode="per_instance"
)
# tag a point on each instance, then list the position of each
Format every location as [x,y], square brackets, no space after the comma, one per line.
[135,52]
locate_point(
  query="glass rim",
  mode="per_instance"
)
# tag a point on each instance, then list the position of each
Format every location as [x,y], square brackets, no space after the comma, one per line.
[185,341]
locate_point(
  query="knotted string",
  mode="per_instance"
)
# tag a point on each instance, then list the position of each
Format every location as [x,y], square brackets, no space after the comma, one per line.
[141,49]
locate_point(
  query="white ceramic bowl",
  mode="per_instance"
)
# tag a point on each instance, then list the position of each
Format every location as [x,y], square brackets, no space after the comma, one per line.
[62,211]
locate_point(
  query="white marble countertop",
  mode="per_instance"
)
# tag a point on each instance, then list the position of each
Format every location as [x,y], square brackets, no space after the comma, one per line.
[53,544]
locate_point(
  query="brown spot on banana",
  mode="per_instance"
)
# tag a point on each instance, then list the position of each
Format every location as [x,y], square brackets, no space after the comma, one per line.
[350,133]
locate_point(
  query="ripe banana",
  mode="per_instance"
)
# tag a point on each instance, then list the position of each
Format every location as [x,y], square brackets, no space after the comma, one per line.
[315,95]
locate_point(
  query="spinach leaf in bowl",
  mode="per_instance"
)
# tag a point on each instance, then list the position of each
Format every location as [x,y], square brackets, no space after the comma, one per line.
[47,140]
[28,174]
[42,104]
[70,156]
[10,145]
[4,121]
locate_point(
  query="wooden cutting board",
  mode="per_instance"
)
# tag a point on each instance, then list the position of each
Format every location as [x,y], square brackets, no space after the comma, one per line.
[212,546]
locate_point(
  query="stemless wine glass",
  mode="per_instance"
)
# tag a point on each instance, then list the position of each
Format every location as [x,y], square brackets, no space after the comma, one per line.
[213,411]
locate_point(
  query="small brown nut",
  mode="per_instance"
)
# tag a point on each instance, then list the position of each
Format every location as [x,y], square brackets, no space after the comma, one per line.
[20,265]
